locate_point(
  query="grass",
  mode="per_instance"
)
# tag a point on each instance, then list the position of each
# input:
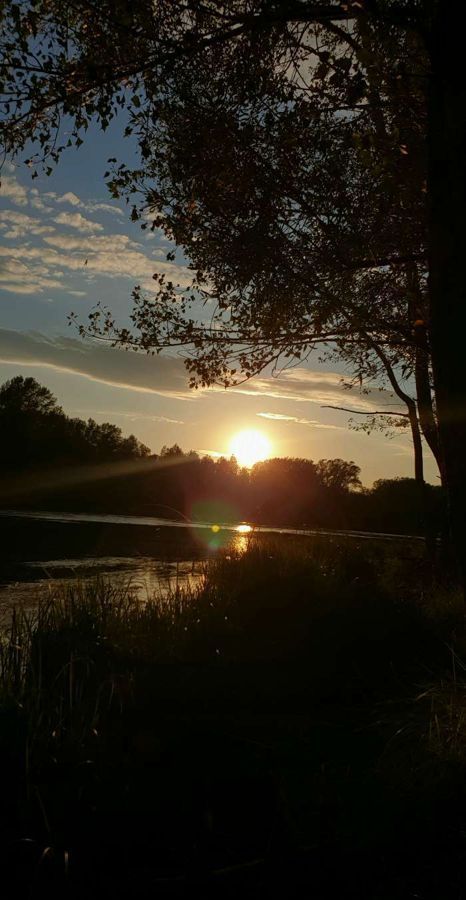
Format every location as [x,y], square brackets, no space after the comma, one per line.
[286,726]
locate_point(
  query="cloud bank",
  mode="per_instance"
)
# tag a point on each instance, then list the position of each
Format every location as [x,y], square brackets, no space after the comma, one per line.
[163,375]
[166,375]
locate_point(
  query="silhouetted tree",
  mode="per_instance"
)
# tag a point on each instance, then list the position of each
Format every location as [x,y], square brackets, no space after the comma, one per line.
[339,475]
[394,504]
[26,395]
[174,451]
[35,430]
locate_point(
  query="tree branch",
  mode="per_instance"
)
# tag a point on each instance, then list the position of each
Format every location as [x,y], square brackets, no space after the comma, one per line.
[375,412]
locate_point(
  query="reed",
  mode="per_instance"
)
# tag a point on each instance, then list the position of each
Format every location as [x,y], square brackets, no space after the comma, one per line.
[215,726]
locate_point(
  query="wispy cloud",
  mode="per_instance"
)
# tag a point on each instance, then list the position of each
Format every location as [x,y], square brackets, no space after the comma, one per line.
[78,221]
[69,197]
[100,243]
[96,206]
[13,190]
[280,417]
[37,202]
[110,256]
[20,195]
[213,453]
[74,243]
[131,416]
[88,205]
[21,225]
[305,386]
[17,277]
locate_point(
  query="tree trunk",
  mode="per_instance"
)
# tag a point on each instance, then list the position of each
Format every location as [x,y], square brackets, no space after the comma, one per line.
[422,488]
[410,406]
[447,254]
[417,445]
[427,419]
[418,324]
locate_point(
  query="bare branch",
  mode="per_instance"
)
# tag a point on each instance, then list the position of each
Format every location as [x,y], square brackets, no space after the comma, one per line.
[375,412]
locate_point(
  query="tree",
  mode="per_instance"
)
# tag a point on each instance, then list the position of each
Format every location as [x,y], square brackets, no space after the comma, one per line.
[171,452]
[300,491]
[36,431]
[308,211]
[284,490]
[29,420]
[338,475]
[446,140]
[106,442]
[152,59]
[394,505]
[26,395]
[285,200]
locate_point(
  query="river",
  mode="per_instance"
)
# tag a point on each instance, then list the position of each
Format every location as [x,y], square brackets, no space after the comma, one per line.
[152,555]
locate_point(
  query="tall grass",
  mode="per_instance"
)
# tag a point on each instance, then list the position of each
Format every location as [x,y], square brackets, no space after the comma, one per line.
[267,599]
[324,608]
[135,712]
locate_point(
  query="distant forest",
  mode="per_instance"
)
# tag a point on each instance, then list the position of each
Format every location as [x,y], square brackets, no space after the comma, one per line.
[53,462]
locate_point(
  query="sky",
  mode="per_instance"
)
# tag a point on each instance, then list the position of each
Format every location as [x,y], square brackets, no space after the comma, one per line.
[65,245]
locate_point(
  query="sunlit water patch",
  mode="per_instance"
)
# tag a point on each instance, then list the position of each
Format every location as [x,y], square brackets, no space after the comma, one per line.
[151,557]
[145,578]
[34,577]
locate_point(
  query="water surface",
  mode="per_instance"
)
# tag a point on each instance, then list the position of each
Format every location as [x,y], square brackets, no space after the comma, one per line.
[151,555]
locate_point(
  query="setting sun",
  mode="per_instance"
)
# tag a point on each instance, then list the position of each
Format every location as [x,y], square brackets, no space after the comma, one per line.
[250,447]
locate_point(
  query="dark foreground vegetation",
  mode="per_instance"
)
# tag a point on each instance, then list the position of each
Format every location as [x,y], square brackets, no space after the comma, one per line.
[295,726]
[50,461]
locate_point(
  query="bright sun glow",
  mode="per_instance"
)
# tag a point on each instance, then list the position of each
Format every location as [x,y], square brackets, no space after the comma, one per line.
[250,447]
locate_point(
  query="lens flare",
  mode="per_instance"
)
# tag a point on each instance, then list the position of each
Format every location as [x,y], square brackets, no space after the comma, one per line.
[217,512]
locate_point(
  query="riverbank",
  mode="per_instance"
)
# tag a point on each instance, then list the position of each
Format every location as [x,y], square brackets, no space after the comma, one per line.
[294,723]
[41,535]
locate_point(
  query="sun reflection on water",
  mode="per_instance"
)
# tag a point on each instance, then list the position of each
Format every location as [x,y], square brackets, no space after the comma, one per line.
[242,536]
[218,537]
[243,528]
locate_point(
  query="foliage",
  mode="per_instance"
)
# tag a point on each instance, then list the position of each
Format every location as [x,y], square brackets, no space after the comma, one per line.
[26,396]
[300,197]
[301,200]
[36,430]
[338,475]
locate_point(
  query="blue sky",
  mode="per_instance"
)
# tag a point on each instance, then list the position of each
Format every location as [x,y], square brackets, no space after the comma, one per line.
[64,245]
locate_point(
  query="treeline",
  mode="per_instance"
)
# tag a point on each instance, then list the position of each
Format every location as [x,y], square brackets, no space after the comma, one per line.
[278,492]
[36,431]
[51,461]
